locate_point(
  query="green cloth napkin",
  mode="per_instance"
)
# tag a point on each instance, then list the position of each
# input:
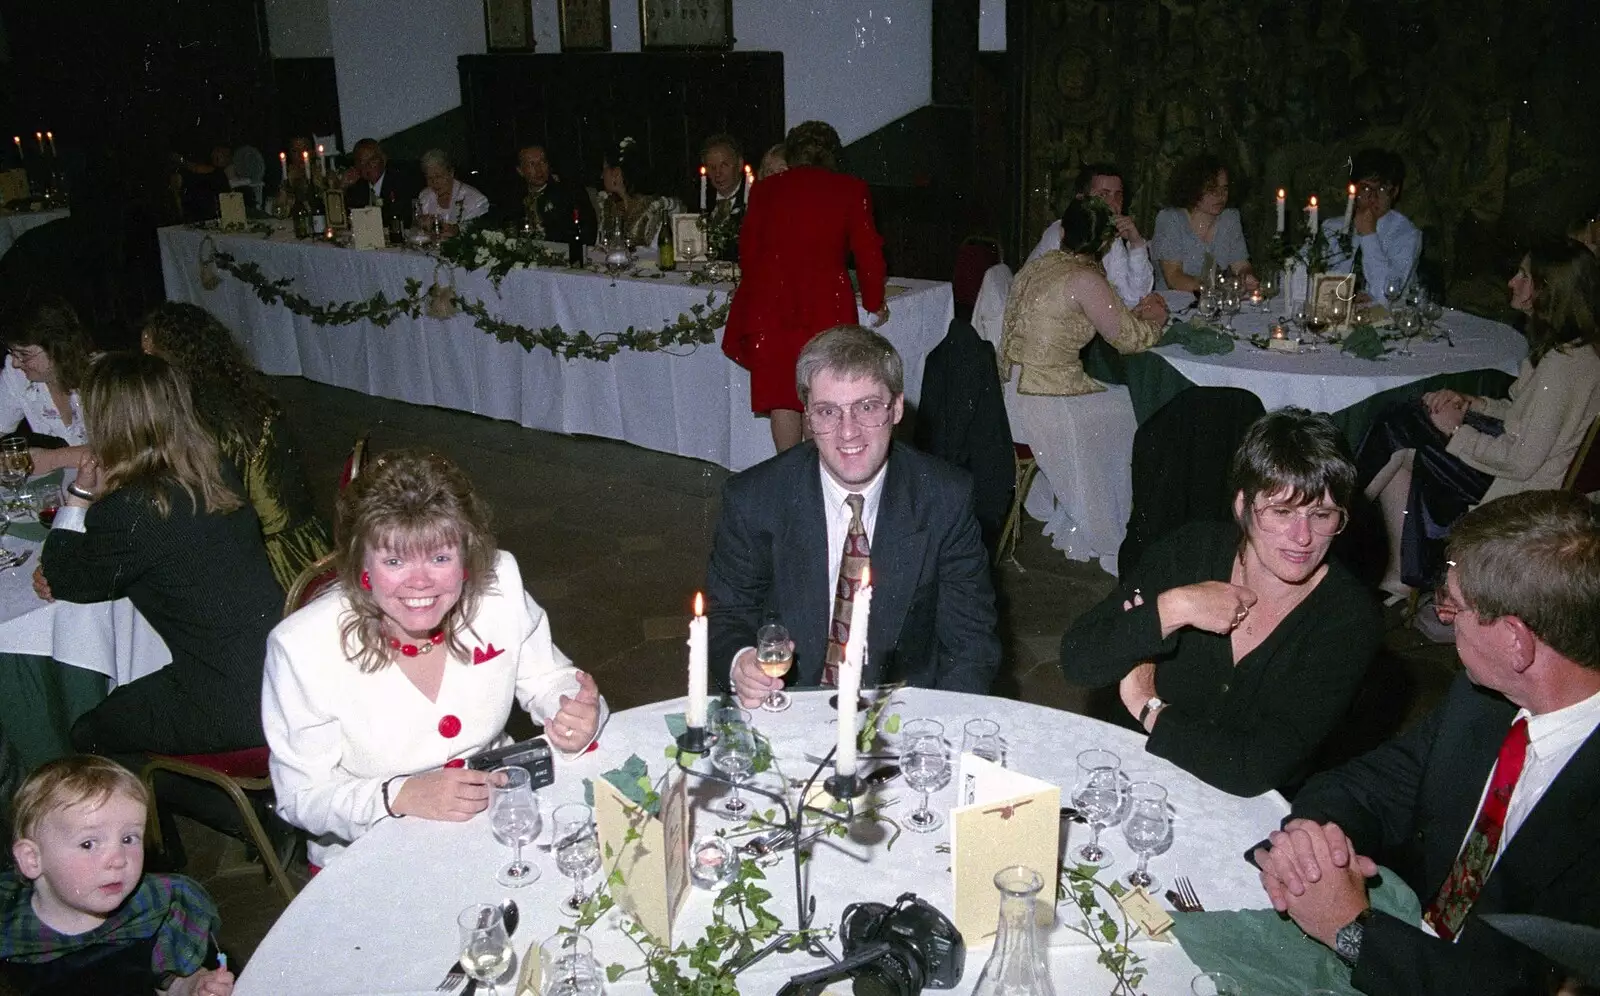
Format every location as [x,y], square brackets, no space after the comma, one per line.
[1202,340]
[1364,342]
[31,529]
[1269,955]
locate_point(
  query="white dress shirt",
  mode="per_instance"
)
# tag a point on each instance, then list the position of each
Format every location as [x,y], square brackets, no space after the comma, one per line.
[466,203]
[1390,252]
[1128,269]
[21,397]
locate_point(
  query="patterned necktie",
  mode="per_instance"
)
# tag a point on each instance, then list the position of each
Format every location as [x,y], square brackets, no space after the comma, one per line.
[1460,890]
[852,566]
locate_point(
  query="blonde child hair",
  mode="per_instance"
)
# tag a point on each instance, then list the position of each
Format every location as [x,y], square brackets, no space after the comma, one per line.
[70,781]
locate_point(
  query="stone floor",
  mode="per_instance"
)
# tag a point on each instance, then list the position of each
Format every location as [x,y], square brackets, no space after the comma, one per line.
[612,541]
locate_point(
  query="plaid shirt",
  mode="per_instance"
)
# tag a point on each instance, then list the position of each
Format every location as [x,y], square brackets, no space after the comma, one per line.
[172,910]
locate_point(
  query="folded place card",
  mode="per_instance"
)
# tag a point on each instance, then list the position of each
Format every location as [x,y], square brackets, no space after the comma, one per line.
[13,186]
[654,863]
[366,228]
[230,208]
[1002,818]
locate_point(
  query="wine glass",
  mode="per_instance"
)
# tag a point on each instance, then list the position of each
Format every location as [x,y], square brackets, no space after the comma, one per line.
[1432,311]
[981,737]
[1148,830]
[774,656]
[733,754]
[485,948]
[16,462]
[925,764]
[567,967]
[1408,324]
[1098,798]
[577,848]
[1269,285]
[514,818]
[1393,290]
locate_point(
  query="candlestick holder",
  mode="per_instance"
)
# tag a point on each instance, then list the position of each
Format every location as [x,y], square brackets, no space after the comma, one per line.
[695,740]
[845,787]
[861,704]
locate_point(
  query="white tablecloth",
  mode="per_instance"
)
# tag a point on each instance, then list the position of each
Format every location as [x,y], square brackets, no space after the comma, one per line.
[694,405]
[381,919]
[1329,380]
[111,638]
[13,225]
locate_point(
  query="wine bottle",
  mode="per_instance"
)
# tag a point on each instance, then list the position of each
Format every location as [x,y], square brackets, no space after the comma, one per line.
[575,242]
[319,210]
[666,258]
[301,213]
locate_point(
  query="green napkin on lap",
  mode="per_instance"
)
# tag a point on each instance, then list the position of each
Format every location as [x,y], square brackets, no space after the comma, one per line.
[1202,340]
[1269,955]
[31,529]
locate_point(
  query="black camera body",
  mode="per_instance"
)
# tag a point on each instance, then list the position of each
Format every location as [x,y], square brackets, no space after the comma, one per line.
[533,754]
[897,950]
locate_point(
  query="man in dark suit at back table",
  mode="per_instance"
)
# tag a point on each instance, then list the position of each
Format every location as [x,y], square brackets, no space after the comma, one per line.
[1491,804]
[370,181]
[545,196]
[797,532]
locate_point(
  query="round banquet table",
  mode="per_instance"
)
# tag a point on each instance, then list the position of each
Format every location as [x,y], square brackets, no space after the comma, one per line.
[381,918]
[14,223]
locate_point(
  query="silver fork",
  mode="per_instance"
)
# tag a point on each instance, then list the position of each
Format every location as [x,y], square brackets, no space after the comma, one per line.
[1186,892]
[451,980]
[8,559]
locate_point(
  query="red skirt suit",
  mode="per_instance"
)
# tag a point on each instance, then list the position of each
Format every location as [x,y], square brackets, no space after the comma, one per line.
[801,227]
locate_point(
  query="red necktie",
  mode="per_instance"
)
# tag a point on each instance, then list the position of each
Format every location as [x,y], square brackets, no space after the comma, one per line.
[1460,890]
[852,566]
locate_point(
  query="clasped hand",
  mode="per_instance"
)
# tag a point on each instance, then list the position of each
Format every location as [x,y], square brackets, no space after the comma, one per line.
[1446,409]
[1311,871]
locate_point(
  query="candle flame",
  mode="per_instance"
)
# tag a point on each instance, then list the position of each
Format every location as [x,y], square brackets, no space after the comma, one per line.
[319,148]
[50,135]
[1313,200]
[1352,190]
[702,171]
[746,169]
[699,604]
[1282,193]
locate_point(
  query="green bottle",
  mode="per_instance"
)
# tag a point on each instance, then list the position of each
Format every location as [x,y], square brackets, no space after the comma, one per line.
[666,257]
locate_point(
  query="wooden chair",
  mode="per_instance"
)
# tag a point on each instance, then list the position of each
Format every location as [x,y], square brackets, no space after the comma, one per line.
[1583,476]
[1027,468]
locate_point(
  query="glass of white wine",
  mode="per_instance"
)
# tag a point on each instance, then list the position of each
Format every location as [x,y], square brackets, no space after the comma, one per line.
[577,848]
[485,948]
[514,818]
[16,463]
[774,656]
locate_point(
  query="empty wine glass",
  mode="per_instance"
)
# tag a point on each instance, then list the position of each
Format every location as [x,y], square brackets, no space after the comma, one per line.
[567,967]
[1408,324]
[514,818]
[925,765]
[1393,290]
[1269,285]
[577,848]
[1432,311]
[485,948]
[1098,798]
[733,754]
[774,656]
[1148,830]
[982,738]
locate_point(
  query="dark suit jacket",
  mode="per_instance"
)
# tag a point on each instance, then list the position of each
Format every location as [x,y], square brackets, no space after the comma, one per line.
[557,202]
[1409,803]
[933,615]
[401,186]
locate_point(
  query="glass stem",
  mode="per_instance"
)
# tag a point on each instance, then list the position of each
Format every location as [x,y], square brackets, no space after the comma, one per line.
[1144,862]
[516,856]
[1093,847]
[923,811]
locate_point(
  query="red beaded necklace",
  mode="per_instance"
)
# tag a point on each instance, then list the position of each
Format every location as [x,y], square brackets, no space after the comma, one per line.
[411,649]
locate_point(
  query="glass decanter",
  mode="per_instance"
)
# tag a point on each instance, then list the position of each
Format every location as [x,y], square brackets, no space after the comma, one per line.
[1016,966]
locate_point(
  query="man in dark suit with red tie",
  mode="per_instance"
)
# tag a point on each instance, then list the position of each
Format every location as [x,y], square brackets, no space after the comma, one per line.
[798,533]
[1491,804]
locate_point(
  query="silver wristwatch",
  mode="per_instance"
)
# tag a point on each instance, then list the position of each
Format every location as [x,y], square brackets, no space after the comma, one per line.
[1347,942]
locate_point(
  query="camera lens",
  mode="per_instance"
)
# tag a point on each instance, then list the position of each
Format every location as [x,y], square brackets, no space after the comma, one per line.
[890,975]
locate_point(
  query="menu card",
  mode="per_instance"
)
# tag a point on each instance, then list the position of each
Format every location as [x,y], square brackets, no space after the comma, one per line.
[655,864]
[230,207]
[1002,818]
[366,228]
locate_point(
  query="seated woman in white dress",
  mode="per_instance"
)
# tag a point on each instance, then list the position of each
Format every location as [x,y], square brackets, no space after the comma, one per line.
[47,356]
[378,691]
[451,201]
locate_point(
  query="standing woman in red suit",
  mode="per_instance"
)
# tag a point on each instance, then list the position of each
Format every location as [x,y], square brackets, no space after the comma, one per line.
[799,232]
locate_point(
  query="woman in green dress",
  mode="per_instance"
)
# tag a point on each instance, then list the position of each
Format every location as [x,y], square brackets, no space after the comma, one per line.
[233,403]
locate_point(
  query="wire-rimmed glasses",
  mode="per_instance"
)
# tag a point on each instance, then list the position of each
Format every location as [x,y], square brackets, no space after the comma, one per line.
[1324,520]
[1098,798]
[1147,829]
[514,819]
[774,656]
[577,848]
[485,948]
[869,413]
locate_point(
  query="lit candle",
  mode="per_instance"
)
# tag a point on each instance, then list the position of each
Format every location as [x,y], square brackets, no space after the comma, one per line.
[1282,194]
[749,180]
[1311,211]
[844,760]
[283,166]
[38,136]
[699,643]
[305,161]
[1350,207]
[702,190]
[18,139]
[322,158]
[50,137]
[1278,332]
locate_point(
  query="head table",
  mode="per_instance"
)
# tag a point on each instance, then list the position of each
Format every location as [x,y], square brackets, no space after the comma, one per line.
[381,918]
[14,223]
[693,402]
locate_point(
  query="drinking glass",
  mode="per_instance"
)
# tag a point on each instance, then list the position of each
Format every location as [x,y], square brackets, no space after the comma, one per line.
[567,967]
[1432,311]
[733,754]
[514,818]
[1215,984]
[16,462]
[982,737]
[1269,285]
[925,765]
[1098,798]
[46,501]
[1408,324]
[1148,830]
[485,948]
[1393,291]
[577,848]
[774,656]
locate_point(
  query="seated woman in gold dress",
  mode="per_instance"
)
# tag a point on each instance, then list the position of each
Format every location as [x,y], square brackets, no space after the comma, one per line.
[622,205]
[1060,301]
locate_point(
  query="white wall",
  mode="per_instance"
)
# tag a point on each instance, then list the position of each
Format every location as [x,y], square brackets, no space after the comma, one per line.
[396,63]
[298,29]
[991,25]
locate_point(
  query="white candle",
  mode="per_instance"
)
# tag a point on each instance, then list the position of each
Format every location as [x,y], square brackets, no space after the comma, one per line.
[699,645]
[749,180]
[18,140]
[322,158]
[702,190]
[1282,194]
[844,760]
[1350,208]
[50,137]
[1311,211]
[283,166]
[38,136]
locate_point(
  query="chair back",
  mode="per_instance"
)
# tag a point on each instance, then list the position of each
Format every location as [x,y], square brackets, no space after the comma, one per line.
[973,259]
[1583,475]
[354,462]
[316,578]
[989,310]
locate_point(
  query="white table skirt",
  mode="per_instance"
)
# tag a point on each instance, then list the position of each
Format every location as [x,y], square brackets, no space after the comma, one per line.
[696,404]
[381,919]
[1330,381]
[111,638]
[13,225]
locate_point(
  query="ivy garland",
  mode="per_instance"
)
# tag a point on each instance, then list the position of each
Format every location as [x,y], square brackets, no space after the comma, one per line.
[696,327]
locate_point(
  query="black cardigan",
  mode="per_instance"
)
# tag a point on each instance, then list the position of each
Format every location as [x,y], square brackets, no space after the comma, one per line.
[1243,728]
[202,581]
